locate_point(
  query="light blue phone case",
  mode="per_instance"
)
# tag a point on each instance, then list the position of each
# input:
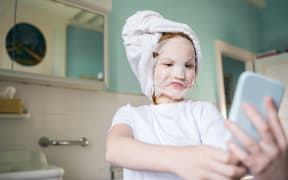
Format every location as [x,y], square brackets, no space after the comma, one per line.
[253,88]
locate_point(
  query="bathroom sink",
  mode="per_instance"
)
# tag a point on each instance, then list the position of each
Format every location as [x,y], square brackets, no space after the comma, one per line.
[48,173]
[27,165]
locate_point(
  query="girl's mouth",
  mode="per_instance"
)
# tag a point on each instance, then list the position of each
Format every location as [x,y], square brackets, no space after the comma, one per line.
[177,85]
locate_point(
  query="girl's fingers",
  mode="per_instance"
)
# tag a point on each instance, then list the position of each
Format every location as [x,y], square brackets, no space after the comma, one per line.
[240,153]
[224,157]
[233,159]
[275,124]
[270,152]
[227,170]
[256,165]
[260,124]
[248,143]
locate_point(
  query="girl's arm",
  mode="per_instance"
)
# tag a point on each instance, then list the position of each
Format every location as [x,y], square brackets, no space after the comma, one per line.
[187,162]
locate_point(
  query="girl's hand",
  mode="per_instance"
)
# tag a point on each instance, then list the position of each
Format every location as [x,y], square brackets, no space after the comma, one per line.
[204,162]
[267,159]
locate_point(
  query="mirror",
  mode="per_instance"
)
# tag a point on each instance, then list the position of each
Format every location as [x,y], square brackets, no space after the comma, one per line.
[53,38]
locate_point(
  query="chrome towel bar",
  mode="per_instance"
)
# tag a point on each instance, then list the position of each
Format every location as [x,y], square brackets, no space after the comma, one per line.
[45,142]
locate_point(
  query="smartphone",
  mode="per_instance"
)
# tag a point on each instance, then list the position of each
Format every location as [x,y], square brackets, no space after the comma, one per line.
[253,88]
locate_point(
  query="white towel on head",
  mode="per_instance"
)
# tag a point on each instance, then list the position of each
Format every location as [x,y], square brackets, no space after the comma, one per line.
[141,34]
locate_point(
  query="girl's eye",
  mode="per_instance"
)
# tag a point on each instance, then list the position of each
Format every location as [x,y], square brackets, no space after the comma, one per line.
[168,64]
[189,65]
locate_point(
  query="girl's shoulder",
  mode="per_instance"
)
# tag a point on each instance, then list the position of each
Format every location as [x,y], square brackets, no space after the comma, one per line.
[128,108]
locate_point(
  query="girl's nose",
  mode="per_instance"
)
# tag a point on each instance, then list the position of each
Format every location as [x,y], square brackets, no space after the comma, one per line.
[178,72]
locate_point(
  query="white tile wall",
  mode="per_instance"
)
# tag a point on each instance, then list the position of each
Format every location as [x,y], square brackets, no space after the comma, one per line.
[62,113]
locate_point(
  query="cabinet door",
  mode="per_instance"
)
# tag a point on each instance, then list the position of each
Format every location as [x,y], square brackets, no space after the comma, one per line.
[277,68]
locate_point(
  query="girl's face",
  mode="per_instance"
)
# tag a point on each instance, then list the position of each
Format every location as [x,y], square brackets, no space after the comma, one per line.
[175,70]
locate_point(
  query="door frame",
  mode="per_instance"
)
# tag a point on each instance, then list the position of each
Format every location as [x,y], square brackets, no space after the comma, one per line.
[223,48]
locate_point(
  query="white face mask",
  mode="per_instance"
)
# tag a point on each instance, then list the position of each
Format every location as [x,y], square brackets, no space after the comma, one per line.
[174,72]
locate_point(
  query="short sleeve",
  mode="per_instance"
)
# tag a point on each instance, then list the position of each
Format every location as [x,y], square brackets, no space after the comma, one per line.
[212,125]
[123,116]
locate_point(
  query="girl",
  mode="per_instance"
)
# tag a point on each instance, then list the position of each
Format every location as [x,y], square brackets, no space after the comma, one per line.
[172,138]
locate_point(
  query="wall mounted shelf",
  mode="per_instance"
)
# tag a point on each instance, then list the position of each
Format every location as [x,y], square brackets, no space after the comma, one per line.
[15,116]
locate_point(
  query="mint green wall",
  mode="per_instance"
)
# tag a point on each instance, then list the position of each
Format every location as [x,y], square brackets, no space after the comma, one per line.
[274,26]
[232,21]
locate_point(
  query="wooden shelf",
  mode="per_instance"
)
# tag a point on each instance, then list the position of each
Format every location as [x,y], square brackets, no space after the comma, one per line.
[15,116]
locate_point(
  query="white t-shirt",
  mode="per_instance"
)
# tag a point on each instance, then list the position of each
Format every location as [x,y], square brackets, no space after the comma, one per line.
[181,124]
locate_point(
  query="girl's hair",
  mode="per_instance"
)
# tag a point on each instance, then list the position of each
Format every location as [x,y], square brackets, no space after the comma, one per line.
[169,35]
